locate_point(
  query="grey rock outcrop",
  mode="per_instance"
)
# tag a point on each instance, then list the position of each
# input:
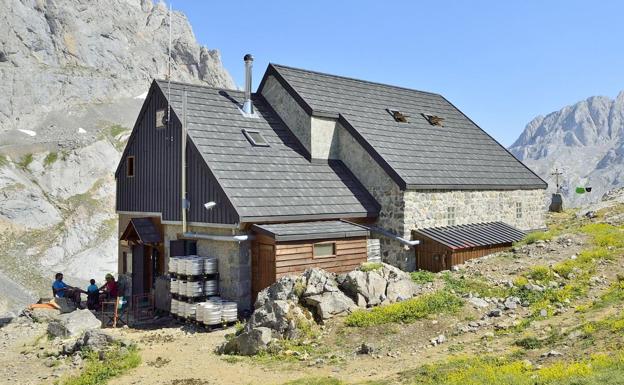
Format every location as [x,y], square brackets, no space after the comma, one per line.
[248,343]
[330,304]
[73,76]
[585,140]
[73,324]
[59,53]
[371,288]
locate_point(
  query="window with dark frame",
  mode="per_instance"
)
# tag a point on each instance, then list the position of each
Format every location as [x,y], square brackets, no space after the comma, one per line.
[255,138]
[130,166]
[518,210]
[324,249]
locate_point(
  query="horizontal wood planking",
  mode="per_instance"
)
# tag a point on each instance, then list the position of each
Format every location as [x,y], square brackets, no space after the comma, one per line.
[295,257]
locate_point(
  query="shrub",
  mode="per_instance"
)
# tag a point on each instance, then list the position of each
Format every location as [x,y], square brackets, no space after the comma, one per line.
[25,161]
[406,311]
[50,159]
[537,236]
[604,234]
[529,343]
[540,273]
[96,372]
[463,285]
[422,276]
[371,266]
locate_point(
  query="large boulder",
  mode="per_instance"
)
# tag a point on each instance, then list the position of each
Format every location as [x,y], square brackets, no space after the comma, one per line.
[329,304]
[272,314]
[319,281]
[287,288]
[401,290]
[370,286]
[248,343]
[73,324]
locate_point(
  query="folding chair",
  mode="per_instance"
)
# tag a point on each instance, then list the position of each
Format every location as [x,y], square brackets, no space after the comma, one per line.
[112,312]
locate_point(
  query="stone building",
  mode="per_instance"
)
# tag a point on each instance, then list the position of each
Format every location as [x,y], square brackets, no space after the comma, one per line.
[301,173]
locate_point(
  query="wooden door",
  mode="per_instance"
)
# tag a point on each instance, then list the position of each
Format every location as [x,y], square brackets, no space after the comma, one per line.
[263,267]
[138,269]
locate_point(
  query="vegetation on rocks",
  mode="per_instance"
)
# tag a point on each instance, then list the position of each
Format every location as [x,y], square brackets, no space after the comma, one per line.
[101,368]
[50,159]
[25,161]
[406,311]
[422,276]
[371,266]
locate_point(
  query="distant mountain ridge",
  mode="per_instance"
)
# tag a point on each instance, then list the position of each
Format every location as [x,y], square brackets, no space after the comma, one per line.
[584,140]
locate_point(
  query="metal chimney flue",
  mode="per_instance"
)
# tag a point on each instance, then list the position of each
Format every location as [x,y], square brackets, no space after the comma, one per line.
[247,105]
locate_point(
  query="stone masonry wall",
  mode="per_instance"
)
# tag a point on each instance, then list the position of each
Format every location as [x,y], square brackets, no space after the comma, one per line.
[295,117]
[234,261]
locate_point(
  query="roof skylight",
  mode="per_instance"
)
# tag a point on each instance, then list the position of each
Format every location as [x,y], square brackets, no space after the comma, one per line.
[434,120]
[255,138]
[398,115]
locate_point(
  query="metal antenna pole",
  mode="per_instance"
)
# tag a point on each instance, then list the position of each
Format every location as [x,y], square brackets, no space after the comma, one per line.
[169,71]
[183,162]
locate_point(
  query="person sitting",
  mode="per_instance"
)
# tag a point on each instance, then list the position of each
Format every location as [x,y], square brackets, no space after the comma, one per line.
[62,290]
[93,295]
[109,288]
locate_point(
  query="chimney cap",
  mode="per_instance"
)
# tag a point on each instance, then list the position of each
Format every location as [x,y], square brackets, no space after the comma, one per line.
[248,57]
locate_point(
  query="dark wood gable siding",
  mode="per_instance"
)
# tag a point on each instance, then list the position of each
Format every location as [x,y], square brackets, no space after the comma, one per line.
[155,186]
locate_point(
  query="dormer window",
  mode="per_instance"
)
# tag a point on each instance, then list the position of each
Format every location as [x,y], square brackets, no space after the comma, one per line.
[255,138]
[434,120]
[398,115]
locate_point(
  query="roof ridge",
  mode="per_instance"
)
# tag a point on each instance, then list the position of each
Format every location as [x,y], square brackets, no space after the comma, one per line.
[355,79]
[165,81]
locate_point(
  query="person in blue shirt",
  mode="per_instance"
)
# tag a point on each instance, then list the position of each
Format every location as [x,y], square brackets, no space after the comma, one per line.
[62,290]
[93,295]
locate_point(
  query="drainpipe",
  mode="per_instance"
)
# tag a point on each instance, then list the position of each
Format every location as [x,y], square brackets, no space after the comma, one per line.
[211,237]
[388,234]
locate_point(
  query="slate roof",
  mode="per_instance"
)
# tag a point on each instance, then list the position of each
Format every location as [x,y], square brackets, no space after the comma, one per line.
[265,183]
[416,154]
[311,230]
[473,235]
[145,229]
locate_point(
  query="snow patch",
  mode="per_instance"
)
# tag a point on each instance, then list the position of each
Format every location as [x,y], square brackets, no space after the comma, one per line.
[142,96]
[28,132]
[81,130]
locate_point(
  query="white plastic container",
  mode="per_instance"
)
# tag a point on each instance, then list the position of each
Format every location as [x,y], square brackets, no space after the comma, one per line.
[211,265]
[229,311]
[210,287]
[211,313]
[194,288]
[174,286]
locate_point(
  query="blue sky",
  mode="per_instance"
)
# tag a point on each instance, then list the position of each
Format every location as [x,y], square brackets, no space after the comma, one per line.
[501,62]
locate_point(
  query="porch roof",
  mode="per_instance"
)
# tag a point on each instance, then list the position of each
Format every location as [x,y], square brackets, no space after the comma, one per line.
[145,230]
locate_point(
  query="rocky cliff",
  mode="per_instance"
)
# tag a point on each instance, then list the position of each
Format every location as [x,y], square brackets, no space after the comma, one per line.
[585,141]
[73,75]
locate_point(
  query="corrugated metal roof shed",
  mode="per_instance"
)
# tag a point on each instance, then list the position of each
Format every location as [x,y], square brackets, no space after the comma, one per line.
[311,230]
[416,154]
[265,183]
[473,235]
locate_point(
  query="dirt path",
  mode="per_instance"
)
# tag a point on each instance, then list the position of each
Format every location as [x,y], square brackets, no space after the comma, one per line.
[172,356]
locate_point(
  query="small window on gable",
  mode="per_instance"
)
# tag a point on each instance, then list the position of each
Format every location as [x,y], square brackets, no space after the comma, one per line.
[518,210]
[326,249]
[255,138]
[130,166]
[398,115]
[450,216]
[161,118]
[434,120]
